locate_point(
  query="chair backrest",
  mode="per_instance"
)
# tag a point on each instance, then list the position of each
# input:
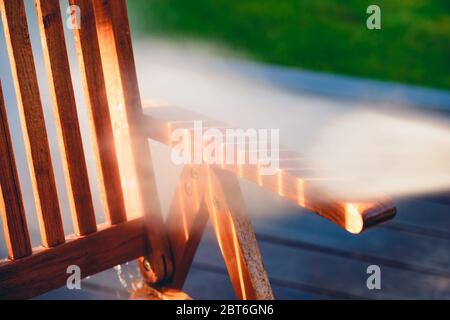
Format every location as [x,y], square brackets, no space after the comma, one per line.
[134,227]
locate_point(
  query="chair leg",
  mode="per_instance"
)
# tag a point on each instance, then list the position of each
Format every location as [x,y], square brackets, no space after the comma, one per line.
[236,236]
[204,192]
[186,222]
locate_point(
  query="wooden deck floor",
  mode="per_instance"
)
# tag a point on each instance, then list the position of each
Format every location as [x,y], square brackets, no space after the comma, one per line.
[309,258]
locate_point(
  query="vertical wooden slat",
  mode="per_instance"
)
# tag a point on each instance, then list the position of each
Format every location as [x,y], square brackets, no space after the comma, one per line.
[64,107]
[32,119]
[116,108]
[94,86]
[11,204]
[120,70]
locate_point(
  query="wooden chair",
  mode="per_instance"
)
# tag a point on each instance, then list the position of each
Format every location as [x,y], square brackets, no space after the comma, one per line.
[135,228]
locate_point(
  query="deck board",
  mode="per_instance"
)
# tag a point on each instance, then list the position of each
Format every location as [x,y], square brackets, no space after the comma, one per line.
[337,274]
[298,272]
[382,241]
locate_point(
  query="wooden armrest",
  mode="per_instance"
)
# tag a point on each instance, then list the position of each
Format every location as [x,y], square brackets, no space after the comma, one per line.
[293,180]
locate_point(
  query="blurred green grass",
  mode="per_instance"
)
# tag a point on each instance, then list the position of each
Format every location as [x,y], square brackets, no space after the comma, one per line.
[413,45]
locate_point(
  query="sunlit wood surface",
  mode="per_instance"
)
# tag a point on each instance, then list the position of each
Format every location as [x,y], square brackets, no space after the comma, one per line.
[139,232]
[294,179]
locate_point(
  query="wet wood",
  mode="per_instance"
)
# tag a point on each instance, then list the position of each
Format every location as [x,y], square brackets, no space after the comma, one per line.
[204,193]
[186,221]
[137,170]
[88,50]
[324,261]
[293,180]
[65,110]
[325,274]
[235,235]
[32,121]
[46,269]
[11,204]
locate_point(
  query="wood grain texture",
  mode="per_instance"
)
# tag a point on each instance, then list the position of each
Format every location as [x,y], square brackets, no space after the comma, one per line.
[65,110]
[186,221]
[294,180]
[11,203]
[120,71]
[32,120]
[46,269]
[88,50]
[204,193]
[236,237]
[117,103]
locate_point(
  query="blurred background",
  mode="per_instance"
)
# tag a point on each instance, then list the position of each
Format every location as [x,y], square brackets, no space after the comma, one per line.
[412,47]
[371,104]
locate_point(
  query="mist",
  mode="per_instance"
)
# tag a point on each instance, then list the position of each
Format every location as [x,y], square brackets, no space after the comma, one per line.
[397,154]
[373,149]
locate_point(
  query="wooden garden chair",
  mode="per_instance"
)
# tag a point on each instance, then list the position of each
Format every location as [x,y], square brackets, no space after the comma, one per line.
[135,228]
